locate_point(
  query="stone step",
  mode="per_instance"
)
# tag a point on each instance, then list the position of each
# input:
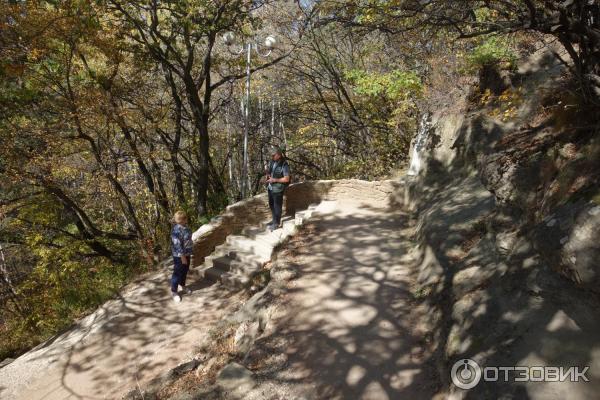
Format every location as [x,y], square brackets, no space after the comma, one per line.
[228,279]
[231,265]
[245,256]
[214,274]
[220,251]
[223,248]
[289,226]
[301,217]
[275,237]
[304,214]
[314,210]
[254,231]
[244,269]
[235,281]
[283,219]
[253,246]
[236,261]
[208,261]
[269,238]
[278,236]
[233,252]
[222,263]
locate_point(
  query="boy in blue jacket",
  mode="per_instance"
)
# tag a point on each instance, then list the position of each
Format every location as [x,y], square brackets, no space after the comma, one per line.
[181,247]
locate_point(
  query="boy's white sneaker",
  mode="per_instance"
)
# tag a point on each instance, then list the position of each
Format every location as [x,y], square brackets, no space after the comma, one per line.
[185,290]
[176,298]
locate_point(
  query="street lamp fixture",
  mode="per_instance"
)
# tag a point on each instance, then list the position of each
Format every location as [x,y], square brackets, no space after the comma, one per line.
[269,43]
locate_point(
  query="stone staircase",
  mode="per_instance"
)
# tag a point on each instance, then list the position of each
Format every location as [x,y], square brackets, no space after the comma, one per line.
[241,257]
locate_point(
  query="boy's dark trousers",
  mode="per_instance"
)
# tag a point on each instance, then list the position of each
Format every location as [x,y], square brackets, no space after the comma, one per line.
[179,273]
[276,205]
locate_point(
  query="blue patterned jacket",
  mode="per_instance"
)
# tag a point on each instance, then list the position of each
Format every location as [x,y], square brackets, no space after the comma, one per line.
[181,241]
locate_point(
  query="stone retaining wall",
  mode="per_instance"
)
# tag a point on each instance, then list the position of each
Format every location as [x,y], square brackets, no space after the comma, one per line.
[236,217]
[299,196]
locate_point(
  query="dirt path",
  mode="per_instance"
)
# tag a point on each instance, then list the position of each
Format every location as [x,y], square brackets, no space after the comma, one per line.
[349,327]
[125,343]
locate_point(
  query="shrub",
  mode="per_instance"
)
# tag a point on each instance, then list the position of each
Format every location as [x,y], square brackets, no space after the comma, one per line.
[492,52]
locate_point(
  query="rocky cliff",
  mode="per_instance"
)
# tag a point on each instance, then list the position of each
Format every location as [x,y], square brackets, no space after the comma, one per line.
[508,211]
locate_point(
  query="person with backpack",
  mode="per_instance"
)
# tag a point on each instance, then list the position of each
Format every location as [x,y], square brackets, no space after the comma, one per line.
[278,178]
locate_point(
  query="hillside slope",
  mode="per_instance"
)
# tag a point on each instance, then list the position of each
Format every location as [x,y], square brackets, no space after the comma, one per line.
[509,220]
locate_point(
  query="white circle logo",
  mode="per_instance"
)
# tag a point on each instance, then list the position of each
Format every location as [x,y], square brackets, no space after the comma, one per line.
[466,373]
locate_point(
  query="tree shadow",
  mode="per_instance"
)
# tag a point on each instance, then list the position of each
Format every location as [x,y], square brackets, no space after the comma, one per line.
[126,343]
[500,308]
[353,330]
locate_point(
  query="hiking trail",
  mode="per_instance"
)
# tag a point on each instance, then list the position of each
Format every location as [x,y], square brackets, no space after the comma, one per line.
[349,324]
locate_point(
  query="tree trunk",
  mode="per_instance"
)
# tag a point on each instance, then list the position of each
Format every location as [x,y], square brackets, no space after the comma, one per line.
[201,152]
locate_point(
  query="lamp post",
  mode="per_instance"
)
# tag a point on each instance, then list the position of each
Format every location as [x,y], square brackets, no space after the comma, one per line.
[269,43]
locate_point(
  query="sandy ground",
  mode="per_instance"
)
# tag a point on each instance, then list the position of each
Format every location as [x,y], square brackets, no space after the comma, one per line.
[349,327]
[124,344]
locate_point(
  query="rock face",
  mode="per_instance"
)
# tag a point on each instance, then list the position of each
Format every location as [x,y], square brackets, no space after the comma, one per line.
[509,220]
[569,237]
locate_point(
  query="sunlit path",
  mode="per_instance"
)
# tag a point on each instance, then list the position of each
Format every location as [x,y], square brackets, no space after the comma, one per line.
[350,327]
[124,344]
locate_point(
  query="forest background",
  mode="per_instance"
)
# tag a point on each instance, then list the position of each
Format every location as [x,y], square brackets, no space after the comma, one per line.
[114,114]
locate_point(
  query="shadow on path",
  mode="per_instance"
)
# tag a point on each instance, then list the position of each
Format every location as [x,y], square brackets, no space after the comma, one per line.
[125,343]
[351,326]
